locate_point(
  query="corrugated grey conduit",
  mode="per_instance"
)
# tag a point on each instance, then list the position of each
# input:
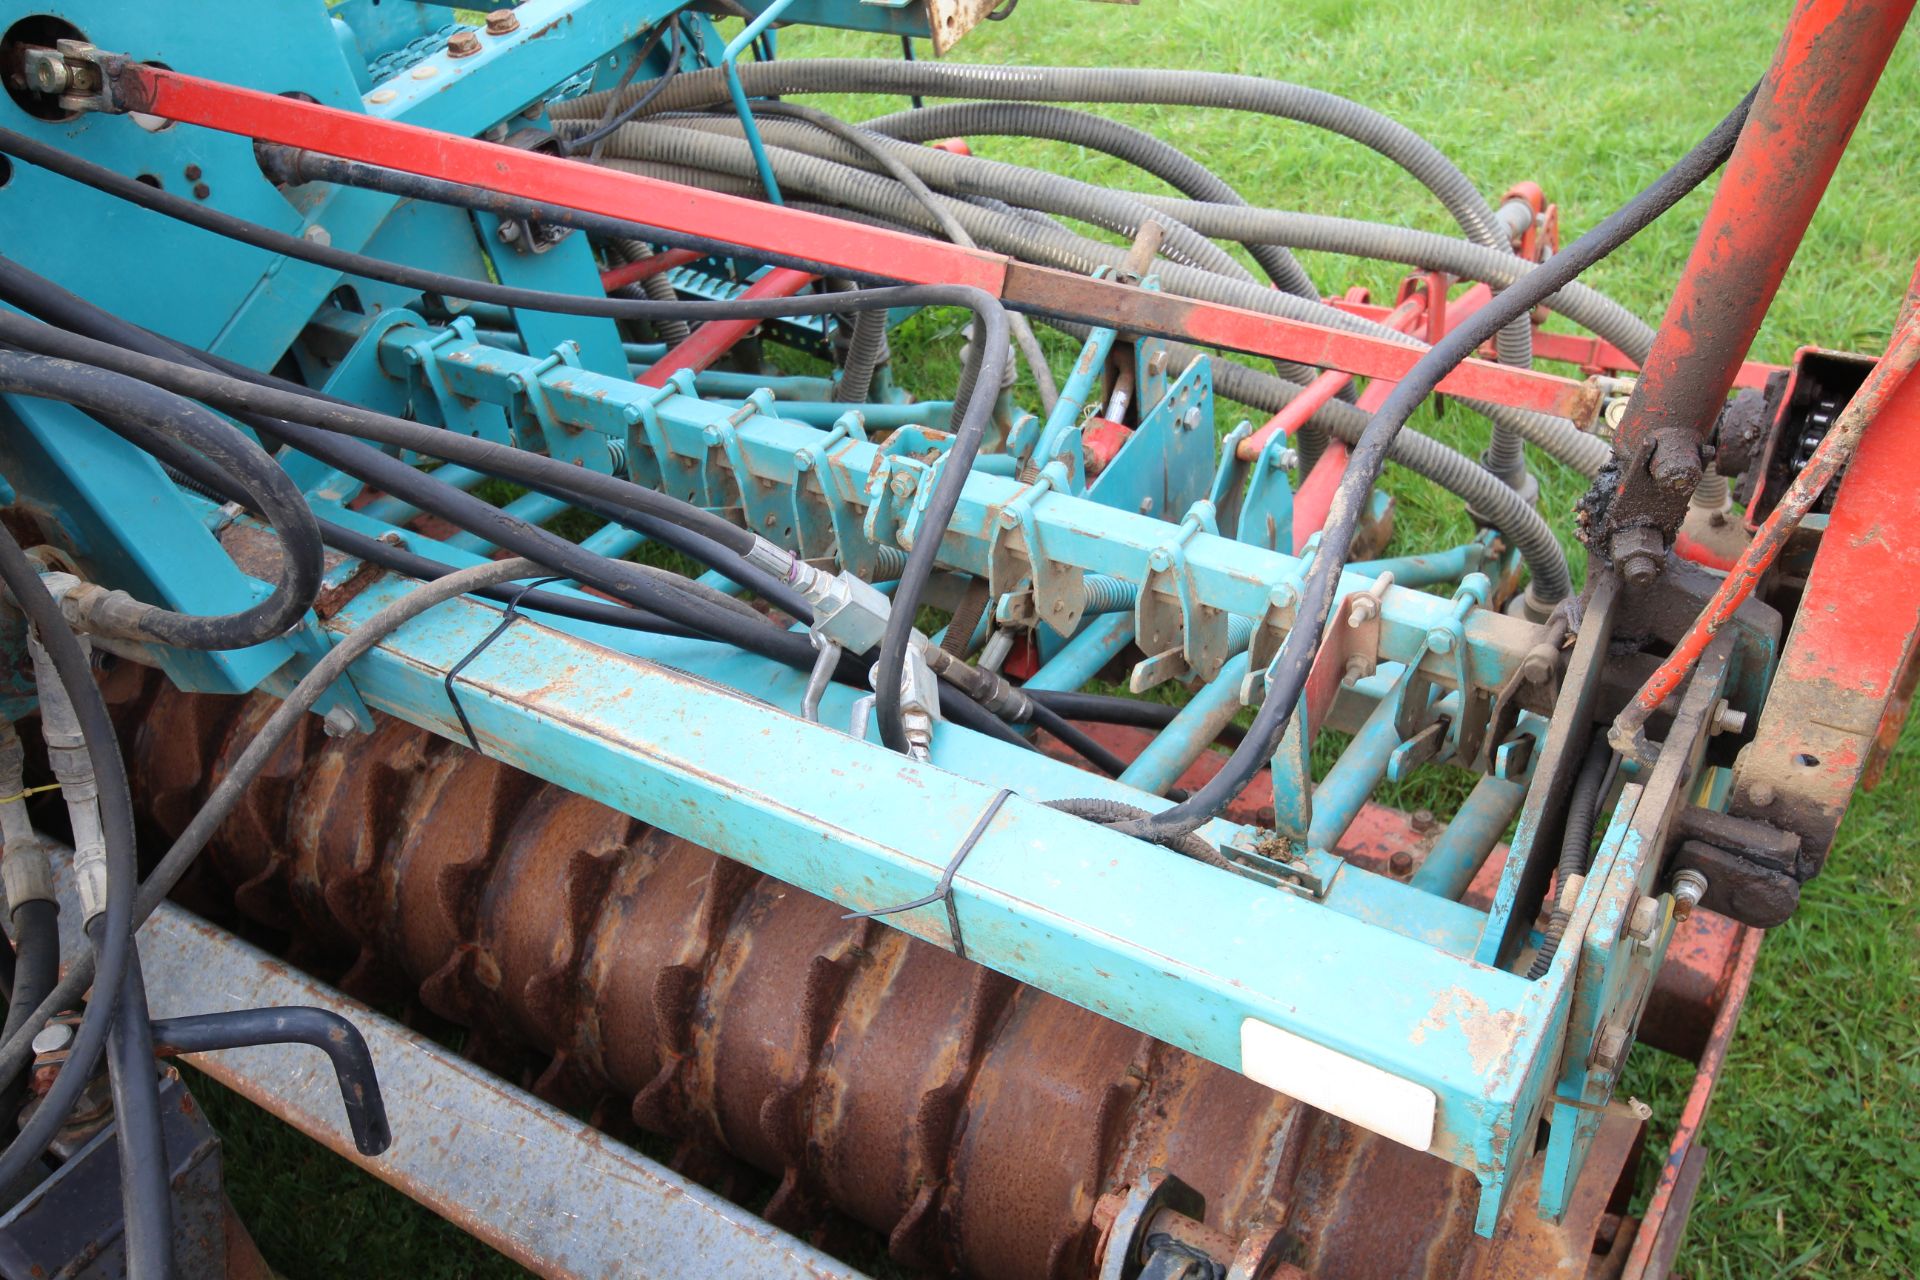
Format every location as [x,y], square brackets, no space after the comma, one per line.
[714,148]
[1135,147]
[1123,212]
[1220,90]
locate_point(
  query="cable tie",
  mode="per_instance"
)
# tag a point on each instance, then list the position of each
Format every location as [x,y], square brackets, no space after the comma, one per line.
[30,791]
[507,618]
[943,888]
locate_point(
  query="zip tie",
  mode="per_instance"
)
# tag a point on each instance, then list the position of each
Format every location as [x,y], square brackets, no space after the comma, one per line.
[507,618]
[30,791]
[943,888]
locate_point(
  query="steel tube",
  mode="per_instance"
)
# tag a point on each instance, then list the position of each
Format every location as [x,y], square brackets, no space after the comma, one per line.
[1082,658]
[1344,791]
[1827,64]
[1192,731]
[1456,857]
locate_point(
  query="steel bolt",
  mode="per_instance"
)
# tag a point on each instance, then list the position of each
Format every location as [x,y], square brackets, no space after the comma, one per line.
[1440,641]
[1146,506]
[201,191]
[1356,668]
[463,44]
[53,1037]
[501,22]
[1364,610]
[1191,418]
[1610,1049]
[1643,919]
[339,723]
[1401,863]
[1157,363]
[1727,720]
[191,173]
[1421,820]
[1689,887]
[1639,554]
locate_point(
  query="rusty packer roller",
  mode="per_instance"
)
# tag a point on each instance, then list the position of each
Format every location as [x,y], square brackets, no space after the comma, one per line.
[976,1123]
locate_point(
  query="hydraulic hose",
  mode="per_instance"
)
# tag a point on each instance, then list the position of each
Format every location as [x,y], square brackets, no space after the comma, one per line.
[1134,146]
[114,935]
[146,1175]
[1287,676]
[111,398]
[970,430]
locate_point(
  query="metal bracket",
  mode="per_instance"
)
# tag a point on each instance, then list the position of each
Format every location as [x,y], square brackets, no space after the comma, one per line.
[1058,595]
[531,407]
[824,526]
[1180,635]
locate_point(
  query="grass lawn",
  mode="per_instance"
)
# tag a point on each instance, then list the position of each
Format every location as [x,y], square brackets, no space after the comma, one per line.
[1816,1128]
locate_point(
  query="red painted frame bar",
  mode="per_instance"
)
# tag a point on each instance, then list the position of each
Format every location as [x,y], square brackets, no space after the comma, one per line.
[716,337]
[830,242]
[1591,354]
[1826,67]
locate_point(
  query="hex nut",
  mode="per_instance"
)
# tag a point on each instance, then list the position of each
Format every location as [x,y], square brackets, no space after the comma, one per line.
[501,22]
[1610,1049]
[463,44]
[1644,918]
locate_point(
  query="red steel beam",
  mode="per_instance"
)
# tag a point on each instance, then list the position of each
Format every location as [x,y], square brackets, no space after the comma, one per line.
[1591,354]
[1294,414]
[716,337]
[634,272]
[831,242]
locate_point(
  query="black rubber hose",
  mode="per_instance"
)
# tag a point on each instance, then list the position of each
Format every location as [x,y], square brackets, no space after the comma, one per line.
[489,522]
[213,220]
[146,1175]
[1287,676]
[1112,812]
[325,1030]
[1134,146]
[1137,713]
[969,432]
[1081,742]
[1576,846]
[36,933]
[114,940]
[111,398]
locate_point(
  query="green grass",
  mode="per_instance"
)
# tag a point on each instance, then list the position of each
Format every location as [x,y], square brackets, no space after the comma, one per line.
[1815,1129]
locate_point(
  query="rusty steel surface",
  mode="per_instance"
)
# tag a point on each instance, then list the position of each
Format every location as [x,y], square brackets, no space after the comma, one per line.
[1843,682]
[493,1170]
[1827,64]
[972,1122]
[1658,1239]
